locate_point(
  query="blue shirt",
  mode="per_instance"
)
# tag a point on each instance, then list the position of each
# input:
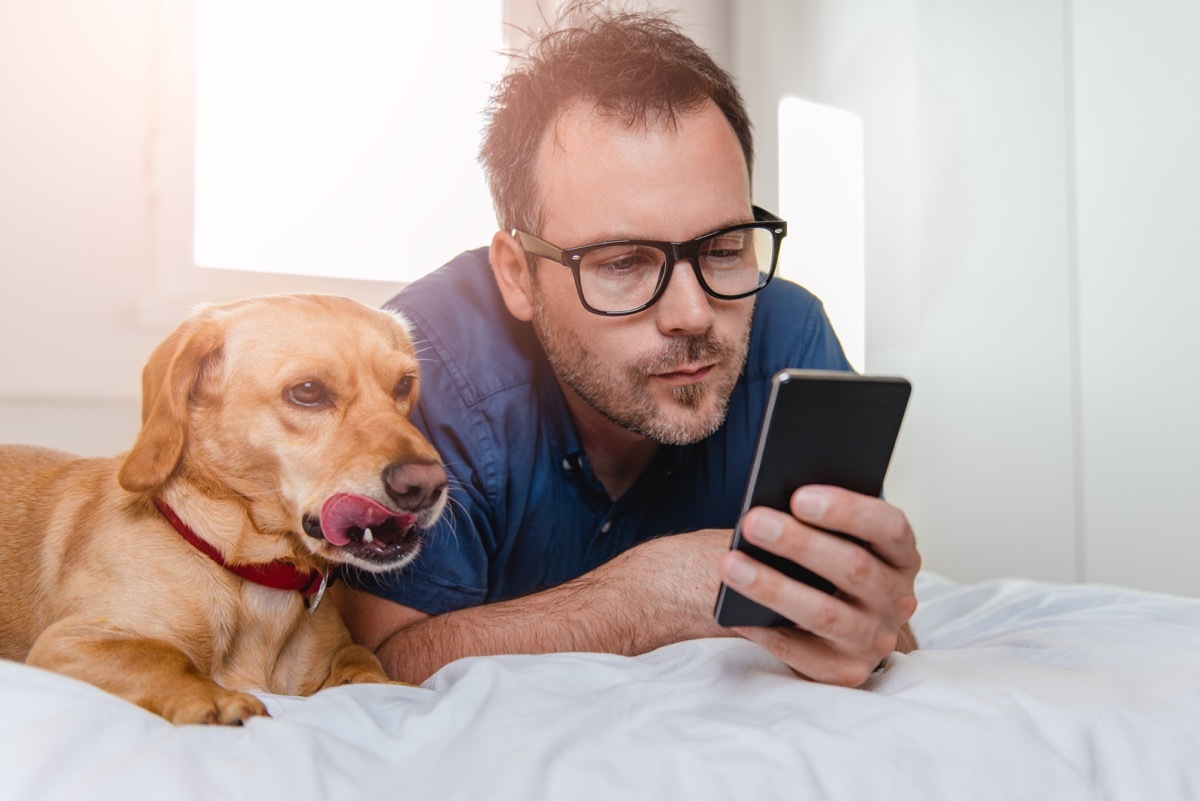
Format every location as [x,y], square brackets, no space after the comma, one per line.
[526,510]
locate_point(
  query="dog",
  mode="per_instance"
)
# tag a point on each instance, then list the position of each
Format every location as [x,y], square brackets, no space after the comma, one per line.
[187,574]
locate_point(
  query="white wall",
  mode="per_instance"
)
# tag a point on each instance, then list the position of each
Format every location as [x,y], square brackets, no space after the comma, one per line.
[1032,174]
[1032,253]
[73,235]
[95,214]
[1137,162]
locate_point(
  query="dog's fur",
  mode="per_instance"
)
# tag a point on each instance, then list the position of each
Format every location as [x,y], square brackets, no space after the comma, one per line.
[254,414]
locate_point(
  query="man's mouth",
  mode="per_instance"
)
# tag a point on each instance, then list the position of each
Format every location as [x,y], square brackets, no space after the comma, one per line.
[364,529]
[686,374]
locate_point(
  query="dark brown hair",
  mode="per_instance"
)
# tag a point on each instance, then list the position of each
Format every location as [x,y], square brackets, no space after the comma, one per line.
[639,67]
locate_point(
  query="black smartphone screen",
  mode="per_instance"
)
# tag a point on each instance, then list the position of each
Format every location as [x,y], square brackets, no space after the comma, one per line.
[819,427]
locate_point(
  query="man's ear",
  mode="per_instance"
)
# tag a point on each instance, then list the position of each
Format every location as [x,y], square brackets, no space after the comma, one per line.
[512,275]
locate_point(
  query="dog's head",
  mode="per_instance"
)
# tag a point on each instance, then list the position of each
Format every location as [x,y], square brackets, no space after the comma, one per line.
[296,406]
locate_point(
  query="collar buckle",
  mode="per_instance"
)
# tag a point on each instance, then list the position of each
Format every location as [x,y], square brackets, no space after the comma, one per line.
[311,601]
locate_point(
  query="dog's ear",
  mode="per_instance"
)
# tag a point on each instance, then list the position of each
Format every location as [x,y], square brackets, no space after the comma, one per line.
[172,373]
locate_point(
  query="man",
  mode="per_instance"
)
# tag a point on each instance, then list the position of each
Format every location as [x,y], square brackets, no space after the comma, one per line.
[588,402]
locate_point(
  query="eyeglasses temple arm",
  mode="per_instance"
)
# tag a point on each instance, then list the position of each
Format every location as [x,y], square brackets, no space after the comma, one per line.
[538,247]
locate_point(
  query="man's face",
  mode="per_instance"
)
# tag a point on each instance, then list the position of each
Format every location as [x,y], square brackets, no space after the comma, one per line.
[665,373]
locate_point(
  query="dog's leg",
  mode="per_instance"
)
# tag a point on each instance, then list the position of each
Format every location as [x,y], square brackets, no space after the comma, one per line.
[355,664]
[151,673]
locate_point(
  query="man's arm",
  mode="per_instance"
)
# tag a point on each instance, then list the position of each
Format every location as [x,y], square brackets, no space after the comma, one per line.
[662,591]
[659,592]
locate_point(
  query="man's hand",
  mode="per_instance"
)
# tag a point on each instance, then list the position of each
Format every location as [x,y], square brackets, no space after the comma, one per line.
[841,638]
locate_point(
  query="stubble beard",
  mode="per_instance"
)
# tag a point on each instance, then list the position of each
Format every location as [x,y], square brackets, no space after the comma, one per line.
[621,392]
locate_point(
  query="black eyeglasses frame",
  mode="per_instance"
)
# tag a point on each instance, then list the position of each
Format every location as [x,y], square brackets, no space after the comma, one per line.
[674,251]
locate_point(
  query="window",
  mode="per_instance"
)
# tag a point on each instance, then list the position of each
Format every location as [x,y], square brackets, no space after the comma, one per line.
[339,138]
[821,195]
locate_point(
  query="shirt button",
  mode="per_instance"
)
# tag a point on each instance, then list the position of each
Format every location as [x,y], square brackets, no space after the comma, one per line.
[566,464]
[607,525]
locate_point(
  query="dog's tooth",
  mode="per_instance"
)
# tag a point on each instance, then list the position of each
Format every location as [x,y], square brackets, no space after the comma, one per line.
[368,536]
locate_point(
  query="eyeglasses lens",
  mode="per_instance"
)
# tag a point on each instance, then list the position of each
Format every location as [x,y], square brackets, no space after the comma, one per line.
[625,276]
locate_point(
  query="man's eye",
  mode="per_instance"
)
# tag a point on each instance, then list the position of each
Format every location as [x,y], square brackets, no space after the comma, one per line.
[309,394]
[618,266]
[614,262]
[725,248]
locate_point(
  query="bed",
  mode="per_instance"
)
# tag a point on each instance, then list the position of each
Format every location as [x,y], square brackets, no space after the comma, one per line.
[1022,690]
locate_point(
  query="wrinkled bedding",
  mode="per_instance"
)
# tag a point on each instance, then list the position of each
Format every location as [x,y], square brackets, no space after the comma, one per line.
[1021,690]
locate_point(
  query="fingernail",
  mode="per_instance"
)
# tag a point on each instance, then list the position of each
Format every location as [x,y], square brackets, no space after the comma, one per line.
[740,571]
[809,503]
[765,529]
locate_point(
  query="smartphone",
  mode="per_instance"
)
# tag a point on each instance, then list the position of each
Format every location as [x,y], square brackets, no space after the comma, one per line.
[819,427]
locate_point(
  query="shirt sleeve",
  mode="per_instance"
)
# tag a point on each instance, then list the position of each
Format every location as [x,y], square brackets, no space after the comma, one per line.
[821,348]
[791,329]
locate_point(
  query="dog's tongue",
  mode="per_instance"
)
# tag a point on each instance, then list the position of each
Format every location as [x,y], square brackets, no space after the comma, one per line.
[343,512]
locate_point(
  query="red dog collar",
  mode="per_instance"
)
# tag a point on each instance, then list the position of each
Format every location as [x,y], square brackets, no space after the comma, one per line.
[277,575]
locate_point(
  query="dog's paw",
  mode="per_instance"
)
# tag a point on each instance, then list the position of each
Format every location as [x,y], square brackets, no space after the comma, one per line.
[224,707]
[355,665]
[359,675]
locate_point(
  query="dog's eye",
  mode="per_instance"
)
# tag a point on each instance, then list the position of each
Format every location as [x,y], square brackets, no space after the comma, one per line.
[309,393]
[404,388]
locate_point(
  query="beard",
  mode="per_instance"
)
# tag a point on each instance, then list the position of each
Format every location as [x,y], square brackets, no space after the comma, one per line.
[621,391]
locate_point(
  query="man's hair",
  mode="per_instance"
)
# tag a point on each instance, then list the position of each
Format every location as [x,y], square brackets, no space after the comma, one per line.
[636,67]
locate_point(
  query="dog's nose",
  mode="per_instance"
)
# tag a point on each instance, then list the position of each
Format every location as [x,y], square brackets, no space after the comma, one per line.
[414,485]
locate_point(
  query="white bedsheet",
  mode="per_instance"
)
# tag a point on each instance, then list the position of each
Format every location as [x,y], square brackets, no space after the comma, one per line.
[1022,690]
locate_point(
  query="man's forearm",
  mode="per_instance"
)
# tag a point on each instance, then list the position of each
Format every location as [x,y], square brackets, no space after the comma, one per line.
[629,605]
[564,618]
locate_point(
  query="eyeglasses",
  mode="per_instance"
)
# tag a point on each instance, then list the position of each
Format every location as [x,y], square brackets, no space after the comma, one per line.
[628,275]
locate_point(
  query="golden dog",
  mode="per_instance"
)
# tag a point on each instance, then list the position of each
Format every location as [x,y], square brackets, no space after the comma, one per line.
[275,444]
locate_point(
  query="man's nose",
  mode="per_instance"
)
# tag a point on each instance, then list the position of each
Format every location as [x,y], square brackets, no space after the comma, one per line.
[684,308]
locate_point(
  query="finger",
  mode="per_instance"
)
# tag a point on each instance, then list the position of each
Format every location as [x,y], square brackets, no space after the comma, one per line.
[813,610]
[851,568]
[834,640]
[810,658]
[883,527]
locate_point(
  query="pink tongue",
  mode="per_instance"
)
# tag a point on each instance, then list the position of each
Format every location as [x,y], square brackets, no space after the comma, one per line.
[343,512]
